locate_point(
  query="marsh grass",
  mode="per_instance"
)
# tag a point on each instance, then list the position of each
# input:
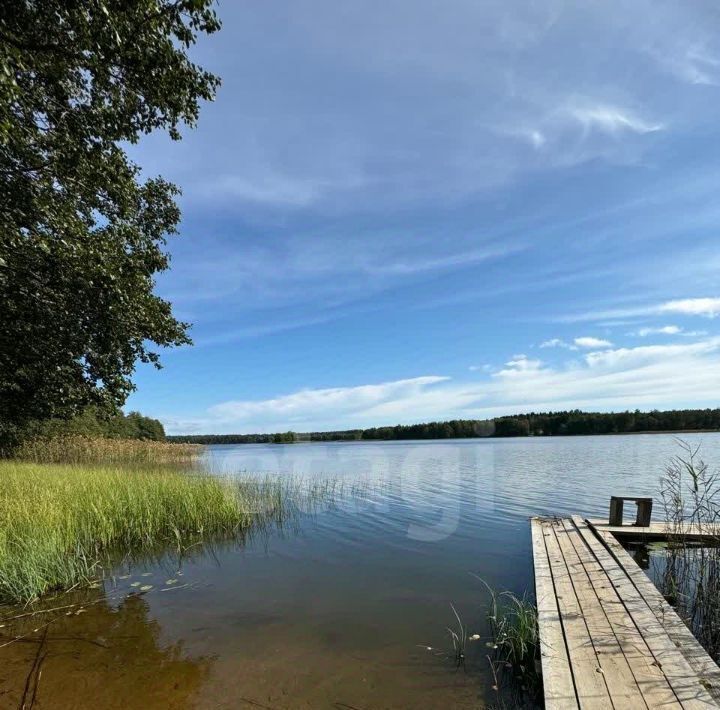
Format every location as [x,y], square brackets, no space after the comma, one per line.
[515,642]
[77,449]
[690,578]
[62,526]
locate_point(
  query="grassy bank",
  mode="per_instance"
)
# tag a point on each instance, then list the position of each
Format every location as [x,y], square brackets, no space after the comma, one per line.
[94,449]
[60,525]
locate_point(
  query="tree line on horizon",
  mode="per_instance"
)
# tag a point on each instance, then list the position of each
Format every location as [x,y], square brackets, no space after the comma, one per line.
[565,423]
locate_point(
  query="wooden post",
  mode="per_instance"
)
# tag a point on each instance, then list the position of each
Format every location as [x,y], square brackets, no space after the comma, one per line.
[616,511]
[644,512]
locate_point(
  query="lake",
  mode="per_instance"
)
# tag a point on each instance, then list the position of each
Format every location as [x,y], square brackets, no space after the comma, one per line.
[347,605]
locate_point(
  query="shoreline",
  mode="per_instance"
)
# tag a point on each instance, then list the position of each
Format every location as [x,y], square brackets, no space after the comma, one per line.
[172,440]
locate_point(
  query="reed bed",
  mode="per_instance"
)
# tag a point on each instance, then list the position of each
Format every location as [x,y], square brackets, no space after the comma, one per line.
[63,525]
[77,449]
[690,575]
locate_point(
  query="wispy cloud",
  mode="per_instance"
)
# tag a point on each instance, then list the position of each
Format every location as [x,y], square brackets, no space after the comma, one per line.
[610,119]
[708,307]
[690,59]
[275,190]
[368,131]
[336,401]
[441,177]
[487,367]
[441,263]
[660,330]
[557,343]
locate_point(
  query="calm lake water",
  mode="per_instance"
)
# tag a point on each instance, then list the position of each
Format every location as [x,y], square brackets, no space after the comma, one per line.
[347,606]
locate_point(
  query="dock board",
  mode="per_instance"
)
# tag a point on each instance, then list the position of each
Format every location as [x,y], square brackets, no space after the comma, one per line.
[606,641]
[661,531]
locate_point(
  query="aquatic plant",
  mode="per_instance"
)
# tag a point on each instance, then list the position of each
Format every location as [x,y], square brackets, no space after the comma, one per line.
[96,449]
[690,577]
[64,525]
[515,641]
[459,638]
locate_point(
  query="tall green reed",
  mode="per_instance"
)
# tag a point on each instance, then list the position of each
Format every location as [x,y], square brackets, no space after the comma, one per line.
[64,525]
[690,577]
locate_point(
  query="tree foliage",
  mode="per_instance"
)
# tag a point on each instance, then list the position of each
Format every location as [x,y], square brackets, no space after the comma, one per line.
[82,235]
[97,423]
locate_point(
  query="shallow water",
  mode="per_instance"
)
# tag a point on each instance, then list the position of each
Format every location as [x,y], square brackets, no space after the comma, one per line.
[338,609]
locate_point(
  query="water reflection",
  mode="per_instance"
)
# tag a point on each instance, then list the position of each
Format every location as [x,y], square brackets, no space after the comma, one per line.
[346,605]
[95,653]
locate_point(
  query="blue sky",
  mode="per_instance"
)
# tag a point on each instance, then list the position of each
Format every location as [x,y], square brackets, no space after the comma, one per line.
[409,210]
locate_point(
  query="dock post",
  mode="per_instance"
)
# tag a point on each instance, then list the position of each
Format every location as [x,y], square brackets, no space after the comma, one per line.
[616,511]
[644,512]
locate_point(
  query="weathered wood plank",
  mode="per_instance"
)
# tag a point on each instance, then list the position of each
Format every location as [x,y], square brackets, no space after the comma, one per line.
[624,691]
[699,660]
[557,675]
[650,679]
[661,531]
[591,685]
[683,679]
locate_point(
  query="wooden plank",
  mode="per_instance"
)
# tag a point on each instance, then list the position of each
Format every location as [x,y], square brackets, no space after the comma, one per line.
[662,531]
[590,682]
[650,679]
[683,679]
[558,684]
[624,691]
[697,657]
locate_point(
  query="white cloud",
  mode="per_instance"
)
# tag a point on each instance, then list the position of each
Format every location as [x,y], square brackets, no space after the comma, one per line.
[709,307]
[519,364]
[480,368]
[590,342]
[335,401]
[557,343]
[648,376]
[662,330]
[647,354]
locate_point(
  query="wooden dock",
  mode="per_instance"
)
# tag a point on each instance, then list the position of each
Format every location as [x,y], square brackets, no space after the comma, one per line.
[659,531]
[608,638]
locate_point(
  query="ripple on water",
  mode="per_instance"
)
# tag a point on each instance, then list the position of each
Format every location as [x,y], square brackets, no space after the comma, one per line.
[340,608]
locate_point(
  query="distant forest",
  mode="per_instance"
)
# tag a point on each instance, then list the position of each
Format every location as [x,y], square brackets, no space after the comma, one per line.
[571,423]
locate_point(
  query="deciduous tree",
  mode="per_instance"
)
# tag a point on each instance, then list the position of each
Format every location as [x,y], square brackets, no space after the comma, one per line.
[82,234]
